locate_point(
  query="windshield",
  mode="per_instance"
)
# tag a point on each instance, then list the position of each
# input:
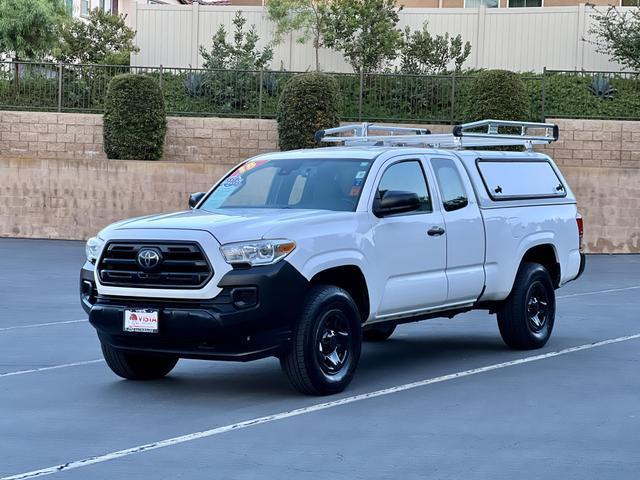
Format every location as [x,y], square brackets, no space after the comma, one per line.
[325,184]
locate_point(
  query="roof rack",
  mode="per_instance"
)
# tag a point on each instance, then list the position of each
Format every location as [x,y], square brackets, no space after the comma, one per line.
[484,133]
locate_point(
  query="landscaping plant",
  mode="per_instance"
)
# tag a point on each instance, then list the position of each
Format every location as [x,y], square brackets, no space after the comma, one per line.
[617,34]
[308,18]
[103,38]
[232,76]
[498,94]
[28,29]
[309,102]
[365,31]
[425,54]
[134,118]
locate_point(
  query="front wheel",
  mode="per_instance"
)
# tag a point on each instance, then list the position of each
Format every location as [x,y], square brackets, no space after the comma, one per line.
[526,317]
[326,343]
[133,366]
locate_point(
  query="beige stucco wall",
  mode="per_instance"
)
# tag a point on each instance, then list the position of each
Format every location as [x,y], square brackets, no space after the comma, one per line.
[55,181]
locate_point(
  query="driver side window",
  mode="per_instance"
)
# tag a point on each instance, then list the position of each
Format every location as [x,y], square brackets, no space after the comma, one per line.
[406,176]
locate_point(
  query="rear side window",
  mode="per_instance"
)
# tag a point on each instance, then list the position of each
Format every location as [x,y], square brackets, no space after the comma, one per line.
[454,196]
[512,179]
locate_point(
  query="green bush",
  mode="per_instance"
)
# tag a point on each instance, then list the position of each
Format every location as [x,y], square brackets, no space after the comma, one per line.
[568,95]
[309,102]
[500,95]
[134,118]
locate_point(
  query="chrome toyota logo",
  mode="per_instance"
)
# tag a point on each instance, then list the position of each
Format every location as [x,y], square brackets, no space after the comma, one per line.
[148,258]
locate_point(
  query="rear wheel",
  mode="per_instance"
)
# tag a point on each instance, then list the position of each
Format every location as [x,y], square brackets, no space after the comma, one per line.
[378,334]
[526,317]
[133,366]
[326,343]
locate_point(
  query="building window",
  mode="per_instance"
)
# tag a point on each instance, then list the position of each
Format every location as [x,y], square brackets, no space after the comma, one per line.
[630,3]
[84,8]
[105,5]
[481,3]
[524,3]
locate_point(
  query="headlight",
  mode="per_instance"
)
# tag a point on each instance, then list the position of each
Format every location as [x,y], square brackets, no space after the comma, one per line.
[93,247]
[259,252]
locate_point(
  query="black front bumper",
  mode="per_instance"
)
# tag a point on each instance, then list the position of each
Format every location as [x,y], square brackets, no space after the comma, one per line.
[251,318]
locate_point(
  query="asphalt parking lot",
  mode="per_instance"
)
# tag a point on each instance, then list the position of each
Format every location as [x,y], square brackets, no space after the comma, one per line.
[442,399]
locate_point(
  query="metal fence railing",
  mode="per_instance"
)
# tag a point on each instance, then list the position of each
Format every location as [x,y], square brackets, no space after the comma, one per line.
[371,97]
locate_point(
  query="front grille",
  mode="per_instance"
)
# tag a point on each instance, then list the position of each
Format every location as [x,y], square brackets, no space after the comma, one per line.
[181,265]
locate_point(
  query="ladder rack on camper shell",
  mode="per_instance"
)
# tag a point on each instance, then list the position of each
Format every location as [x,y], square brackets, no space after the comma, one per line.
[484,133]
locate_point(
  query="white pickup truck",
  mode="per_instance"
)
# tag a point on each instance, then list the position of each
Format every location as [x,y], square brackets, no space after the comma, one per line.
[303,254]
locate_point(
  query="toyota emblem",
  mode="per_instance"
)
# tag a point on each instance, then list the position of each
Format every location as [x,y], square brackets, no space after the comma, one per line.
[148,258]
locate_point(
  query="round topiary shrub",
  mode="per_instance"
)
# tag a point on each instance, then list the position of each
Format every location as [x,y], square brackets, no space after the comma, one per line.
[498,95]
[135,120]
[308,103]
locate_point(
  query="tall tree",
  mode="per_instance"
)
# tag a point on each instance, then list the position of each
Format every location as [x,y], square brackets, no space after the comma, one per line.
[104,38]
[618,35]
[28,27]
[307,17]
[365,31]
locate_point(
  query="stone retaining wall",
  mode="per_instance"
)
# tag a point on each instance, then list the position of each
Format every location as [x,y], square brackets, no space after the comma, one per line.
[55,181]
[189,139]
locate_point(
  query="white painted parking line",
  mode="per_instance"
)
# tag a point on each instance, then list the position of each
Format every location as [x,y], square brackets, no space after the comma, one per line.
[36,325]
[302,411]
[596,292]
[52,367]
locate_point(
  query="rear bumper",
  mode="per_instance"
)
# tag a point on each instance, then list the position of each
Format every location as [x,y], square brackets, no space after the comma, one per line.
[583,264]
[581,267]
[251,318]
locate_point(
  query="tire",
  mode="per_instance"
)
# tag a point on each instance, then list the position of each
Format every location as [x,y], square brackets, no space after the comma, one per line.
[134,366]
[326,343]
[378,334]
[526,317]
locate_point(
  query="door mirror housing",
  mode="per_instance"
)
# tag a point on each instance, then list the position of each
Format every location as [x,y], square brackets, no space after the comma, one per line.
[394,202]
[194,198]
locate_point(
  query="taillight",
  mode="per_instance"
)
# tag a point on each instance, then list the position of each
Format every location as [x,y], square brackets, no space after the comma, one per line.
[580,227]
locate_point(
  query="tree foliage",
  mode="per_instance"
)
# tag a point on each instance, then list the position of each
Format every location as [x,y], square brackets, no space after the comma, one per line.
[231,81]
[364,31]
[134,118]
[309,102]
[240,54]
[617,34]
[103,38]
[423,53]
[28,27]
[306,17]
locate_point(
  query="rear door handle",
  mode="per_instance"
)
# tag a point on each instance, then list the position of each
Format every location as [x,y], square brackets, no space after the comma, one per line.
[435,231]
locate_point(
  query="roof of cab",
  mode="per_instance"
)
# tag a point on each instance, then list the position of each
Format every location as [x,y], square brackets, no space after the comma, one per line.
[372,152]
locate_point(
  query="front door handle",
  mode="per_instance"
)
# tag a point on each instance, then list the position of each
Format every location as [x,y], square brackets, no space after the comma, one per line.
[435,231]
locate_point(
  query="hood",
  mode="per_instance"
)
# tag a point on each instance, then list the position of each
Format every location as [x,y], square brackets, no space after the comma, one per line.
[228,225]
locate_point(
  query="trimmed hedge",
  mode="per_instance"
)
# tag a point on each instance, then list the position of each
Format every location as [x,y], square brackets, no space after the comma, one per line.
[308,103]
[498,94]
[134,118]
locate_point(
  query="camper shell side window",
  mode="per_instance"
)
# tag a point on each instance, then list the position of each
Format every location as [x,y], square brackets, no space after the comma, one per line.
[511,179]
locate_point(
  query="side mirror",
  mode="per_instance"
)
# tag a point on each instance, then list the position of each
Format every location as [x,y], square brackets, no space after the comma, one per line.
[194,198]
[393,202]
